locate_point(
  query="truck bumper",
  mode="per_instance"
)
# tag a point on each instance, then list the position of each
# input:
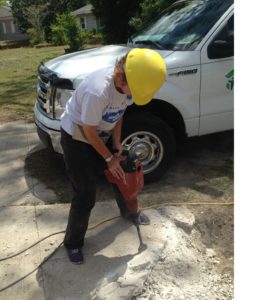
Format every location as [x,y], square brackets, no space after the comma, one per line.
[48,130]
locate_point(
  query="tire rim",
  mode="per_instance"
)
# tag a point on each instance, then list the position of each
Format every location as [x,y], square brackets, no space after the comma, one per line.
[147,147]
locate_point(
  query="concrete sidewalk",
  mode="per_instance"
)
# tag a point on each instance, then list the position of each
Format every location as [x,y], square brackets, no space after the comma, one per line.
[113,267]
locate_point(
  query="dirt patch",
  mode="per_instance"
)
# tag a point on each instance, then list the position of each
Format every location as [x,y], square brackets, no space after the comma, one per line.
[216,225]
[201,266]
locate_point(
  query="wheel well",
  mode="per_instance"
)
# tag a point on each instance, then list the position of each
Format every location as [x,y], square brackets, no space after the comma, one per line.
[165,111]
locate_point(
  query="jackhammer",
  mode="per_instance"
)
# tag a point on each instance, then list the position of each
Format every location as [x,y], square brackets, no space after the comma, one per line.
[129,187]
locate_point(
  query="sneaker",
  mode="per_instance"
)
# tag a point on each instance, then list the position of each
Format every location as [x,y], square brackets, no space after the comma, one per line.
[75,256]
[142,219]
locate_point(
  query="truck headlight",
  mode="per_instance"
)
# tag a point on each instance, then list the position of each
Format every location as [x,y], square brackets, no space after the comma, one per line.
[61,98]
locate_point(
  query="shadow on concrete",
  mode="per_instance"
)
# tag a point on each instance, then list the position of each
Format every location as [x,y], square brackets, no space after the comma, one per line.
[60,279]
[198,159]
[47,167]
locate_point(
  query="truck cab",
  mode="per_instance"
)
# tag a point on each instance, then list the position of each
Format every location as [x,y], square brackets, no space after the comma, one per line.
[196,40]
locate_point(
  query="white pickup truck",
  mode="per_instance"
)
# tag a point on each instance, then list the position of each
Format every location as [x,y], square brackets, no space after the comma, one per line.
[196,40]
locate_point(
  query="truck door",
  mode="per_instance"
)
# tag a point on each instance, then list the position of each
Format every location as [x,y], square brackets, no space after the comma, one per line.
[217,81]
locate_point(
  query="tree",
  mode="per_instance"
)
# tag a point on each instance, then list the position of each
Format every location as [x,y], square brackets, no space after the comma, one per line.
[35,15]
[54,8]
[149,9]
[121,18]
[3,3]
[114,16]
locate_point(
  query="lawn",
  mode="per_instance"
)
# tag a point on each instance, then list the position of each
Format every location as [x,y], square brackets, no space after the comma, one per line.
[18,78]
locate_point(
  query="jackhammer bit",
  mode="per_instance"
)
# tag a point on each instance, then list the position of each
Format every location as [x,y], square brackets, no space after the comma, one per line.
[142,246]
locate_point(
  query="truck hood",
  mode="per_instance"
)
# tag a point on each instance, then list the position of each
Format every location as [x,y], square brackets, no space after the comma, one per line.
[77,65]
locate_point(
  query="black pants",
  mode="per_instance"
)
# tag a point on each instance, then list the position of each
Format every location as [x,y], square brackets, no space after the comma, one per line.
[83,164]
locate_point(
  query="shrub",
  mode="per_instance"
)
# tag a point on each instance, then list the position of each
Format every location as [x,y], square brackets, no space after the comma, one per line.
[94,37]
[59,36]
[68,31]
[36,36]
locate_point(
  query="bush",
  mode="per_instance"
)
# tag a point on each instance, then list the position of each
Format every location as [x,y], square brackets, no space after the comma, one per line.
[59,36]
[68,31]
[35,36]
[93,37]
[76,36]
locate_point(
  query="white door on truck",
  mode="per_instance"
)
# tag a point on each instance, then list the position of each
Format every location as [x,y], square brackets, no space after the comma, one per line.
[217,80]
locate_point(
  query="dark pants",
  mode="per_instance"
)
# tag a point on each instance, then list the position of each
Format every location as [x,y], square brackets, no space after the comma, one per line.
[83,164]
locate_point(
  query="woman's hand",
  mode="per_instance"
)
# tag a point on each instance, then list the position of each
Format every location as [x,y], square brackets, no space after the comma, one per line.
[115,168]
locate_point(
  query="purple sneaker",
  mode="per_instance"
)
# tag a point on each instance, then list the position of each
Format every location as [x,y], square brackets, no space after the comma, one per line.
[142,219]
[75,256]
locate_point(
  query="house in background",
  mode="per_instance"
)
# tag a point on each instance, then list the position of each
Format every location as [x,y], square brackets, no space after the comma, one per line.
[86,18]
[8,30]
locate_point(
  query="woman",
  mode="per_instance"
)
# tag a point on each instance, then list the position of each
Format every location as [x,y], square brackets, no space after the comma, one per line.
[92,115]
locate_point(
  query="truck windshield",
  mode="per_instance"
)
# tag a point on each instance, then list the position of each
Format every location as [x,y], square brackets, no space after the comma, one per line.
[182,26]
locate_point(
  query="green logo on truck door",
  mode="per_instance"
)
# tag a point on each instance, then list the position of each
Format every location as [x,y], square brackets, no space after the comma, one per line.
[230,82]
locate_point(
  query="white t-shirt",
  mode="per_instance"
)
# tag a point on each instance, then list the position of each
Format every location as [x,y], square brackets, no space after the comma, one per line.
[95,102]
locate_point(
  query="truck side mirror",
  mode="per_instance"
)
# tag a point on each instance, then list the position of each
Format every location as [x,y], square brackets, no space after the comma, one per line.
[221,49]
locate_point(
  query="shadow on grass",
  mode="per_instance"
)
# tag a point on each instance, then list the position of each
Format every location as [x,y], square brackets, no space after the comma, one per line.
[12,92]
[203,165]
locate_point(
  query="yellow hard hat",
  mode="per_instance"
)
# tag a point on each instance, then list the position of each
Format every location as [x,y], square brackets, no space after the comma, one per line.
[145,71]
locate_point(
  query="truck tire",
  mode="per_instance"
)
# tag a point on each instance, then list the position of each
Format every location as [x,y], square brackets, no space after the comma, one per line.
[151,140]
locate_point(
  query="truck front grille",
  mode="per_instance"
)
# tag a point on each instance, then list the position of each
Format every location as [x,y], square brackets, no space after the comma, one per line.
[44,95]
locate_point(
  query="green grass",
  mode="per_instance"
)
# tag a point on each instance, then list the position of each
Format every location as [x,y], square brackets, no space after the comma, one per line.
[18,78]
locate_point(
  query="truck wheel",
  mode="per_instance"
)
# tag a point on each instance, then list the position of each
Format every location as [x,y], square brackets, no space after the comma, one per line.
[151,140]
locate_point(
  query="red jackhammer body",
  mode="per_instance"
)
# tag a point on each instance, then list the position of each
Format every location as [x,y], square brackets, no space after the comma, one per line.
[130,186]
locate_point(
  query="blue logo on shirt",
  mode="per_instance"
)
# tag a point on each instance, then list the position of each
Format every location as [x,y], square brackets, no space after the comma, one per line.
[112,117]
